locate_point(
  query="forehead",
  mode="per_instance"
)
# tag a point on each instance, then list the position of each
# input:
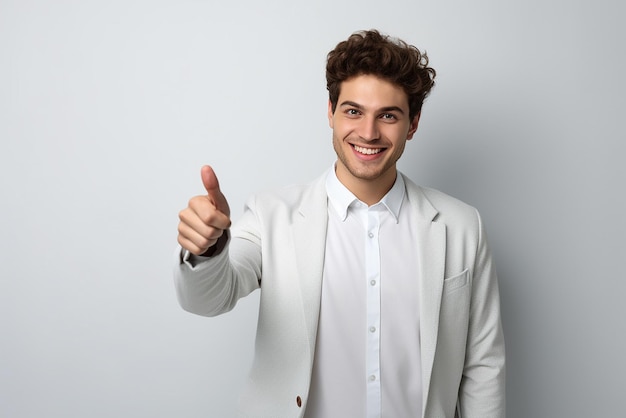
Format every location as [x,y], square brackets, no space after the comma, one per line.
[372,92]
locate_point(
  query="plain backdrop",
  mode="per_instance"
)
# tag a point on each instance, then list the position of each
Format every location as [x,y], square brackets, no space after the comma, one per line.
[108,109]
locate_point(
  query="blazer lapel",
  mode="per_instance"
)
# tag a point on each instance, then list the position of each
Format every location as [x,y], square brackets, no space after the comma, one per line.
[309,237]
[431,253]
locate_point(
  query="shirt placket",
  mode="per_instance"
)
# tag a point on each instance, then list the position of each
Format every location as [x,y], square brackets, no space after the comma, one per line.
[372,261]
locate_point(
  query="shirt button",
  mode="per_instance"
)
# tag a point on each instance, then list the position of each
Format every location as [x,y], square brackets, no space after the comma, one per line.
[372,329]
[372,377]
[371,235]
[373,283]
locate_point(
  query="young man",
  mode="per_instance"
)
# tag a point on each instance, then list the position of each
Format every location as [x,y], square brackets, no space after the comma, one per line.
[379,298]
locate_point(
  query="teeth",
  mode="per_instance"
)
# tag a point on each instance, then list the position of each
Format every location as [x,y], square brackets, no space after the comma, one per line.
[367,151]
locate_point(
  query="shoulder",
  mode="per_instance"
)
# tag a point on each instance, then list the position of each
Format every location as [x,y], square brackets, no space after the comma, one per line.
[447,204]
[442,207]
[289,197]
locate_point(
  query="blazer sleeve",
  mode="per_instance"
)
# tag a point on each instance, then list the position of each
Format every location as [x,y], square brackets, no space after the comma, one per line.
[482,389]
[210,286]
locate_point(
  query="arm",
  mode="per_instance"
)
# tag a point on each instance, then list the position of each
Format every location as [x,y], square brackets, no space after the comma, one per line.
[210,286]
[212,271]
[482,390]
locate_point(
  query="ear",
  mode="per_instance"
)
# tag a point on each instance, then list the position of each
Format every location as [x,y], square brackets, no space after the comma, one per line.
[413,126]
[330,115]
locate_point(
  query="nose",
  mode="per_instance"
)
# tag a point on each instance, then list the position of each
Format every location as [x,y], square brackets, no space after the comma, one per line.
[368,129]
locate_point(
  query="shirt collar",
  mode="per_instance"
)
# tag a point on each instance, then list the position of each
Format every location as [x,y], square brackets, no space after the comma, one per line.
[341,199]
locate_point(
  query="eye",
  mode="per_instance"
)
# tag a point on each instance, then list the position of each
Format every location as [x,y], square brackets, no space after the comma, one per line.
[388,116]
[353,112]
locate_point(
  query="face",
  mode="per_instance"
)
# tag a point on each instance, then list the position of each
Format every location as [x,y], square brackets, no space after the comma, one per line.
[370,125]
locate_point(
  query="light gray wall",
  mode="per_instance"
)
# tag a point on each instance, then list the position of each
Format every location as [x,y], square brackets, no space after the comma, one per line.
[109,108]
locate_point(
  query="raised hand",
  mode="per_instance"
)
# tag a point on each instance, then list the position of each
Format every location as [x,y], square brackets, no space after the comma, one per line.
[205,218]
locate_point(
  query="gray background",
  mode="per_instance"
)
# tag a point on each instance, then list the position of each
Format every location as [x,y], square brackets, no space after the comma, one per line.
[109,108]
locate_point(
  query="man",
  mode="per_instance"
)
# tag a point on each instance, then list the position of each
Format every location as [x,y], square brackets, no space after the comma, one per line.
[378,297]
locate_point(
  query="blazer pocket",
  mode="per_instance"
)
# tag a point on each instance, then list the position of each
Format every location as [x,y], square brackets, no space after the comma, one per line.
[456,282]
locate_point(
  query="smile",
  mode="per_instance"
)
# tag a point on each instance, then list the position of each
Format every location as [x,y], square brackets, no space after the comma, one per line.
[367,151]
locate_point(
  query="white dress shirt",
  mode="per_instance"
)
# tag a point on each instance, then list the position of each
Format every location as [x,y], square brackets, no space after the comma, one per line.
[367,357]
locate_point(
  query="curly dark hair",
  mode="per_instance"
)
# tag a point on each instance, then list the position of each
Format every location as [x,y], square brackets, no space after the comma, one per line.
[371,53]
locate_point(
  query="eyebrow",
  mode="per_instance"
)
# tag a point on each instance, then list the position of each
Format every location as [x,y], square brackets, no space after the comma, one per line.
[384,109]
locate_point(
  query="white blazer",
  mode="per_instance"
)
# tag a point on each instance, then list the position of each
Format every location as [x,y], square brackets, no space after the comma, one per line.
[278,246]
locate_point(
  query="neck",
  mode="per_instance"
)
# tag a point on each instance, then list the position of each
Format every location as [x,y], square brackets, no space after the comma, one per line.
[368,191]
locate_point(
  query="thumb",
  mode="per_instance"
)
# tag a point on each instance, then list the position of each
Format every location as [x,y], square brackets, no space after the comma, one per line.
[212,187]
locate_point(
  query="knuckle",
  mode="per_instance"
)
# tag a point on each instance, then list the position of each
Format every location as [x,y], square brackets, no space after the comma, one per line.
[202,242]
[209,217]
